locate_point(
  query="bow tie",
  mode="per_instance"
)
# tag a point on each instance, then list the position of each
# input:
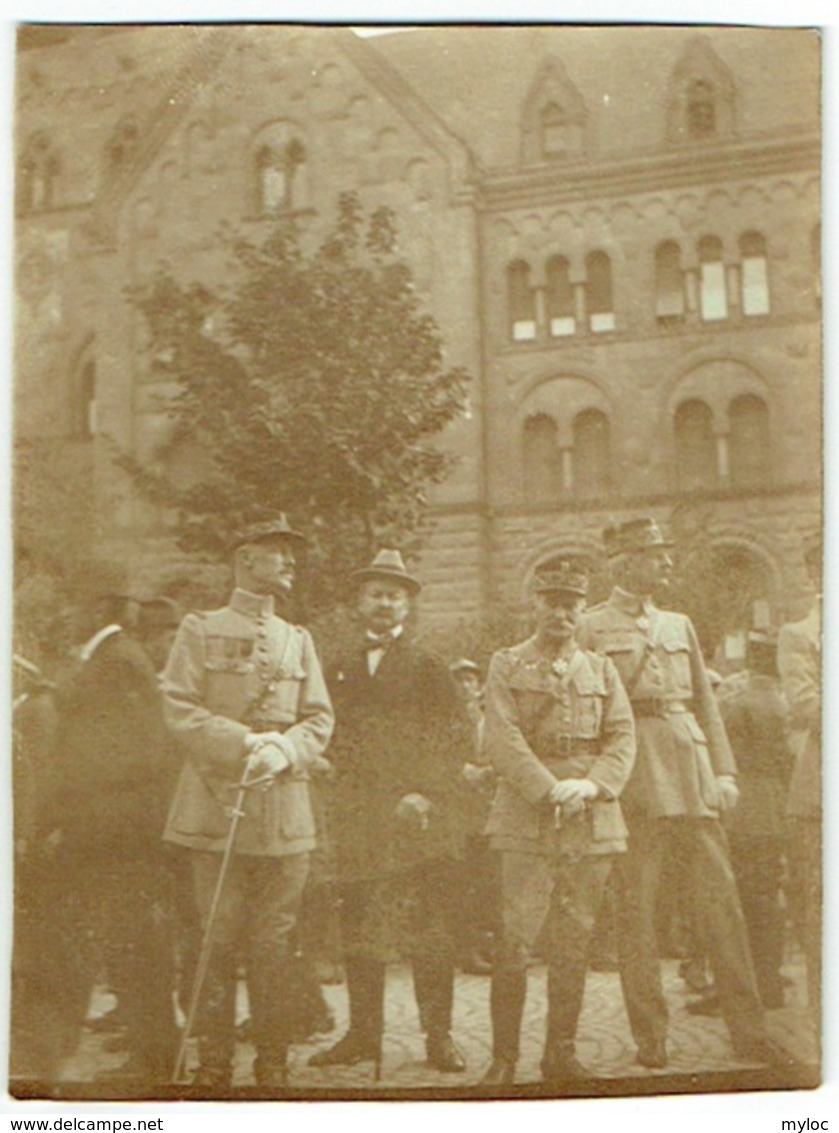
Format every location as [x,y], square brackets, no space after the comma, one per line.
[372,642]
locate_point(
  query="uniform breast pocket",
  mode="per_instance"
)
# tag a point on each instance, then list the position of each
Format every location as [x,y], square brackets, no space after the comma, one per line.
[228,654]
[677,654]
[589,697]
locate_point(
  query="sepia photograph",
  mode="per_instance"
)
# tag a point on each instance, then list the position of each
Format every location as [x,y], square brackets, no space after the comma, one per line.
[417,561]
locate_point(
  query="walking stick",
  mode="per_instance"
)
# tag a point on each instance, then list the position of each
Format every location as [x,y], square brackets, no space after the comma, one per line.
[236,812]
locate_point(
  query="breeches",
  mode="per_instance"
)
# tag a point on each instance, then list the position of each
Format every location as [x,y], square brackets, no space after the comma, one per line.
[254,920]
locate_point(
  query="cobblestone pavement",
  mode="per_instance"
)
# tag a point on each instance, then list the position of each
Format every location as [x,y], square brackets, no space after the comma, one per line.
[698,1045]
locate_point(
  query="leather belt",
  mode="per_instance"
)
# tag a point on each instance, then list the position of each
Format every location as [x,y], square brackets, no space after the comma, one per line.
[657,706]
[566,746]
[268,726]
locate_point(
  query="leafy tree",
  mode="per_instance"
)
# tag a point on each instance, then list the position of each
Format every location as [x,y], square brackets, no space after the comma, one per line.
[313,384]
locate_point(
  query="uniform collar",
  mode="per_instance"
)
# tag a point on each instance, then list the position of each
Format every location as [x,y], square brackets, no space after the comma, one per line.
[90,647]
[252,605]
[630,603]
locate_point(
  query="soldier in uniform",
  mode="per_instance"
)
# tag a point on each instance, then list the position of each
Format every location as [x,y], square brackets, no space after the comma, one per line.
[559,732]
[244,693]
[684,779]
[799,662]
[401,741]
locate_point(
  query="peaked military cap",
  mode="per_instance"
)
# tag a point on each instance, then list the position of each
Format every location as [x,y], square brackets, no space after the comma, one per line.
[265,530]
[633,535]
[389,565]
[562,575]
[464,665]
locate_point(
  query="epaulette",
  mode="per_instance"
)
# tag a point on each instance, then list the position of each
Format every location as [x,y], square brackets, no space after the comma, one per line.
[597,606]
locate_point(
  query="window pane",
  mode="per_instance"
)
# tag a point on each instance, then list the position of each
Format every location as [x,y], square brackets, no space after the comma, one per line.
[521,302]
[749,440]
[560,297]
[591,453]
[542,466]
[755,286]
[524,330]
[696,446]
[713,295]
[669,285]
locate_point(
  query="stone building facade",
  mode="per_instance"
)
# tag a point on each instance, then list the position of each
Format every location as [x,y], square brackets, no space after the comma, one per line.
[617,230]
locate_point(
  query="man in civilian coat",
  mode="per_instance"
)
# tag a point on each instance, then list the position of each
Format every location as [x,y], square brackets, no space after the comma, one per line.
[400,744]
[684,780]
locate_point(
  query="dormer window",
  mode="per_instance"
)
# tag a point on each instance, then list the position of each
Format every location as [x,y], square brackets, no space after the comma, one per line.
[554,131]
[37,174]
[277,168]
[553,122]
[701,96]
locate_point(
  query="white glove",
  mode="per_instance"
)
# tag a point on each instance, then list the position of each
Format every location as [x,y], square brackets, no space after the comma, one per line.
[267,759]
[573,793]
[414,808]
[728,793]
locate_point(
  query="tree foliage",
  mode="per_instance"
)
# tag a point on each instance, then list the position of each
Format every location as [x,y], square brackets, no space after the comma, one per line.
[313,383]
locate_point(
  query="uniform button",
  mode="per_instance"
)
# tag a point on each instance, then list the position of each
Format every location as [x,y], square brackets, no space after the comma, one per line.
[272,687]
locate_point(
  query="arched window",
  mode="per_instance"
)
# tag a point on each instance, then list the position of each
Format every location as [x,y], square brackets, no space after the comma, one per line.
[696,447]
[276,169]
[669,283]
[542,464]
[701,110]
[754,274]
[599,303]
[748,441]
[37,174]
[554,129]
[713,300]
[560,297]
[521,302]
[591,459]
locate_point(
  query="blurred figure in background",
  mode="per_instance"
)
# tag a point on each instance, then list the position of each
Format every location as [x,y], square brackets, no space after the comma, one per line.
[799,662]
[480,880]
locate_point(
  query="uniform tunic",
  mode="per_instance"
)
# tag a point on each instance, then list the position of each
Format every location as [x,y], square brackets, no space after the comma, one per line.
[232,671]
[544,725]
[671,805]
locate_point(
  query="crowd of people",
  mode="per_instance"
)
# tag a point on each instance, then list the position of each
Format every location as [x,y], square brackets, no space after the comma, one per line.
[197,802]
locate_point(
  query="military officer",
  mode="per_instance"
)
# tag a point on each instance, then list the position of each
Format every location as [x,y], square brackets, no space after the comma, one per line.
[799,662]
[560,734]
[243,690]
[684,779]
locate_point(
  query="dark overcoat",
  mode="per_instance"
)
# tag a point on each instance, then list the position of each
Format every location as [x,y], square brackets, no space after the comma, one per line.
[401,731]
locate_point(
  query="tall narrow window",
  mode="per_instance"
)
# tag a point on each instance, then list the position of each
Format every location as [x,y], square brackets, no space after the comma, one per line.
[713,299]
[521,302]
[696,448]
[748,418]
[701,110]
[276,169]
[542,466]
[599,292]
[554,126]
[591,461]
[560,297]
[669,284]
[754,274]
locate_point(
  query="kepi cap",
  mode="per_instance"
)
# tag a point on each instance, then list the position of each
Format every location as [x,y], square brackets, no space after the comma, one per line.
[633,535]
[261,532]
[563,575]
